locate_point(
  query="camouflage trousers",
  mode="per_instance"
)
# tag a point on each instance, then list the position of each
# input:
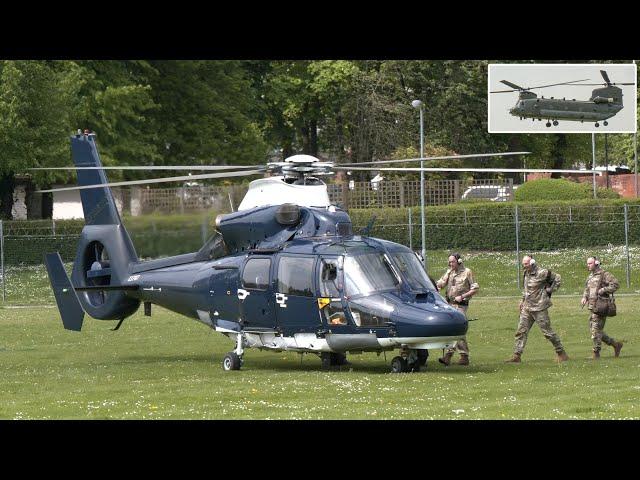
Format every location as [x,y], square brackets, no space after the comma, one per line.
[527,319]
[461,345]
[596,325]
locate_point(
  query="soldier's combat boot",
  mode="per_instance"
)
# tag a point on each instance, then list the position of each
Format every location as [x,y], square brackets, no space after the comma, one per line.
[515,358]
[561,356]
[446,360]
[616,348]
[464,360]
[595,355]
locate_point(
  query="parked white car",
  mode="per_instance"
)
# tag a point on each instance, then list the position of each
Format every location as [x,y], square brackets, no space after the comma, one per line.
[495,193]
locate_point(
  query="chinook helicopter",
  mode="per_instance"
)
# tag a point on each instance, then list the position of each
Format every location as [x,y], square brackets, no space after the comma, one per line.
[604,103]
[283,273]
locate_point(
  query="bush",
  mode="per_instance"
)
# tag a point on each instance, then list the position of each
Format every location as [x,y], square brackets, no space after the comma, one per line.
[559,189]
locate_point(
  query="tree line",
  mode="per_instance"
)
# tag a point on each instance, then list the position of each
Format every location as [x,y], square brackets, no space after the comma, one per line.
[188,112]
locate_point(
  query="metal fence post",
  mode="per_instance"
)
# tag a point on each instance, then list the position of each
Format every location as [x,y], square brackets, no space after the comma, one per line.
[626,242]
[518,245]
[2,260]
[410,231]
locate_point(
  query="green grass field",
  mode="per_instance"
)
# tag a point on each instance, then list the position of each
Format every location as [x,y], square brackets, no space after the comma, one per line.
[167,366]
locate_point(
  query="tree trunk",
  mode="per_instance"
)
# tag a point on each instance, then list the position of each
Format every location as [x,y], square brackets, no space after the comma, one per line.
[558,153]
[7,184]
[313,137]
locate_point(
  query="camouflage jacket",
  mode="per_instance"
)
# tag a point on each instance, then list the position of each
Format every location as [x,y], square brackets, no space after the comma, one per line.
[535,297]
[609,285]
[458,282]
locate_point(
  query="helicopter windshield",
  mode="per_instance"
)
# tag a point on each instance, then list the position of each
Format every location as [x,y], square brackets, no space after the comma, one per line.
[413,271]
[368,273]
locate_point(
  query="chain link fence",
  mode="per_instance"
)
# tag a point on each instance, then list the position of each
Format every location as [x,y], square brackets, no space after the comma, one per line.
[514,233]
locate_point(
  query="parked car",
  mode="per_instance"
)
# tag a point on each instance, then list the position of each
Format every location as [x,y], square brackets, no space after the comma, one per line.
[494,193]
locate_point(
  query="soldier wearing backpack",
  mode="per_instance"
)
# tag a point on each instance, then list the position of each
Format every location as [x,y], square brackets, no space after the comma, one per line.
[600,284]
[539,284]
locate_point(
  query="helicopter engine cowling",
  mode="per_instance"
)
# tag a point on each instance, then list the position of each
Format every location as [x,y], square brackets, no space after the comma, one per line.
[603,100]
[270,227]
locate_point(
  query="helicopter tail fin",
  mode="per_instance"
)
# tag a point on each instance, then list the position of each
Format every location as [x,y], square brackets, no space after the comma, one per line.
[97,203]
[105,251]
[68,304]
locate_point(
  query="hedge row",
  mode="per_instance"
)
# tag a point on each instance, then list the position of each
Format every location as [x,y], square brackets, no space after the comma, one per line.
[491,226]
[480,226]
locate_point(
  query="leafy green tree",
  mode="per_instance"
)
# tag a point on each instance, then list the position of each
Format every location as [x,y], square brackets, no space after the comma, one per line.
[34,120]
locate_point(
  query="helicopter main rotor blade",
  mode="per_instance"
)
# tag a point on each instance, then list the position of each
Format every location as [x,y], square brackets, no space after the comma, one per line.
[447,157]
[605,76]
[486,170]
[504,91]
[157,180]
[563,83]
[512,85]
[154,167]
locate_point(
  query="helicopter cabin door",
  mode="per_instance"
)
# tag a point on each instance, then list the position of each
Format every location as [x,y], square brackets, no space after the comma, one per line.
[296,302]
[331,292]
[255,295]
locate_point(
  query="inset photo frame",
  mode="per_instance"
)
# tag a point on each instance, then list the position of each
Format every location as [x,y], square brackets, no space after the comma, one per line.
[562,98]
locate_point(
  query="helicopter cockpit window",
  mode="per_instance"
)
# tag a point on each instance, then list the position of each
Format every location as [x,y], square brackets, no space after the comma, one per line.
[413,271]
[368,273]
[213,248]
[295,276]
[372,311]
[330,284]
[256,273]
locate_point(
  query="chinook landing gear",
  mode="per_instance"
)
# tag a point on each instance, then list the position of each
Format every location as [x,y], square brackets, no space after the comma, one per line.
[555,123]
[597,124]
[548,124]
[410,360]
[605,123]
[233,360]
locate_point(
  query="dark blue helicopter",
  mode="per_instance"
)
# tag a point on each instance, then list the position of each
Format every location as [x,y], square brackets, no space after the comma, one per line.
[284,273]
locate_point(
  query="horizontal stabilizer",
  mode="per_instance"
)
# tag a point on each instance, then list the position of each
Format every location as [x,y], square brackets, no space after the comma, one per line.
[68,304]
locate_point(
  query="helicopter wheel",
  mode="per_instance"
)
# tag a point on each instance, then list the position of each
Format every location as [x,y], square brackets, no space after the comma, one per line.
[399,365]
[555,123]
[423,355]
[231,361]
[413,367]
[597,124]
[548,124]
[605,123]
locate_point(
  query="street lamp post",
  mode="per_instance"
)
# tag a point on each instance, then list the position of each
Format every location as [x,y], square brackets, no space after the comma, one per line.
[418,104]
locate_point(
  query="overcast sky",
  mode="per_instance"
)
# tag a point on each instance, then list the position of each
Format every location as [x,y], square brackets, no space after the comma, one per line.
[531,75]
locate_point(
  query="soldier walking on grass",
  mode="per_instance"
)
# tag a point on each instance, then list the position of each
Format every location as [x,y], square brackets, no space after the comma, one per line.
[461,286]
[539,284]
[599,283]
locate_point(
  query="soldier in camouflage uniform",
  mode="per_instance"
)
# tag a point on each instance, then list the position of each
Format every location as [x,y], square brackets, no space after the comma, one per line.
[460,287]
[539,283]
[592,290]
